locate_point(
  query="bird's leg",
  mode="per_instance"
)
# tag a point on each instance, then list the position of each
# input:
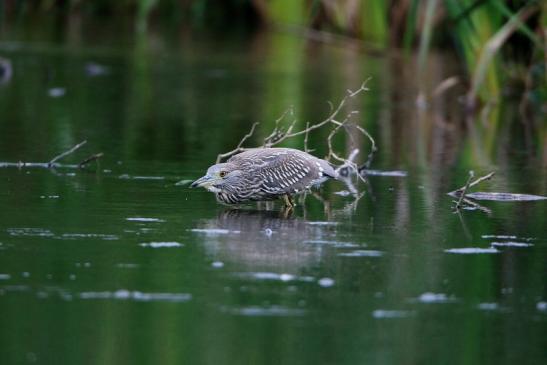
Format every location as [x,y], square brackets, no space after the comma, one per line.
[288,200]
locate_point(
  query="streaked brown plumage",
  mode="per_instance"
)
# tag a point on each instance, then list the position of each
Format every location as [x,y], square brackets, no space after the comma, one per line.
[265,174]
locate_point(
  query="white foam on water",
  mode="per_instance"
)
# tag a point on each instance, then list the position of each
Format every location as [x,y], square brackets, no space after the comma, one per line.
[388,313]
[429,297]
[144,219]
[161,244]
[511,244]
[488,306]
[124,265]
[321,223]
[217,264]
[273,276]
[325,282]
[123,294]
[335,244]
[395,173]
[213,231]
[30,232]
[106,237]
[472,250]
[148,178]
[256,311]
[362,253]
[5,276]
[501,237]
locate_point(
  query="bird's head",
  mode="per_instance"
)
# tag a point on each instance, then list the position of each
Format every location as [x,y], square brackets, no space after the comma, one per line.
[218,178]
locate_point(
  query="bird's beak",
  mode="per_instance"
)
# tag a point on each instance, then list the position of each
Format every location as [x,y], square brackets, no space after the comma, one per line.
[204,181]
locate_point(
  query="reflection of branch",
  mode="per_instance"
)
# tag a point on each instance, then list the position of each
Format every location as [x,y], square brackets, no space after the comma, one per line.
[477,206]
[93,157]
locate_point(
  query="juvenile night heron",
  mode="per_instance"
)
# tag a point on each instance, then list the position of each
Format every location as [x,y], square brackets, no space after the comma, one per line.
[265,174]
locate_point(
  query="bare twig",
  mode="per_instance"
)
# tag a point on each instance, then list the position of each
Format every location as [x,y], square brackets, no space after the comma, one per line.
[467,184]
[239,147]
[478,181]
[93,157]
[346,167]
[66,153]
[53,163]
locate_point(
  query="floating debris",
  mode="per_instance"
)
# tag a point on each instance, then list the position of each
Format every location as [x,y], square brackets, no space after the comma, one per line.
[541,306]
[5,276]
[320,223]
[161,244]
[217,264]
[384,313]
[144,219]
[472,250]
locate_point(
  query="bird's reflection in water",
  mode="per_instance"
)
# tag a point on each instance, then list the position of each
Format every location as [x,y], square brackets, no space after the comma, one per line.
[264,239]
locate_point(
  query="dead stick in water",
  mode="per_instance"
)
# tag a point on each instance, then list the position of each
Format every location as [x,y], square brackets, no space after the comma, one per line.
[467,184]
[66,153]
[479,180]
[90,158]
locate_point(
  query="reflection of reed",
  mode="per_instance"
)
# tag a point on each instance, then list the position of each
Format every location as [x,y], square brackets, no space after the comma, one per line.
[262,240]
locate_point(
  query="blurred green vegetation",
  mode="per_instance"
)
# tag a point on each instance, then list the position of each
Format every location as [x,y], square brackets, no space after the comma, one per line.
[498,41]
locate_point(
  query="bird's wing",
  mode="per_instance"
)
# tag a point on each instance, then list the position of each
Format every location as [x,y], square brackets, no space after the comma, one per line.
[283,170]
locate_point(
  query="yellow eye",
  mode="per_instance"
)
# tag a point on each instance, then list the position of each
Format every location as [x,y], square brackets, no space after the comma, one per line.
[222,173]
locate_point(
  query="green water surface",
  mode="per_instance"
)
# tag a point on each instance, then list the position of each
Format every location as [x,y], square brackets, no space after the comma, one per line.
[115,264]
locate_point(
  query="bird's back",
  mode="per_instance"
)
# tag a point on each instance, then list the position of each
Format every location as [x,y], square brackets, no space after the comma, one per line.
[282,170]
